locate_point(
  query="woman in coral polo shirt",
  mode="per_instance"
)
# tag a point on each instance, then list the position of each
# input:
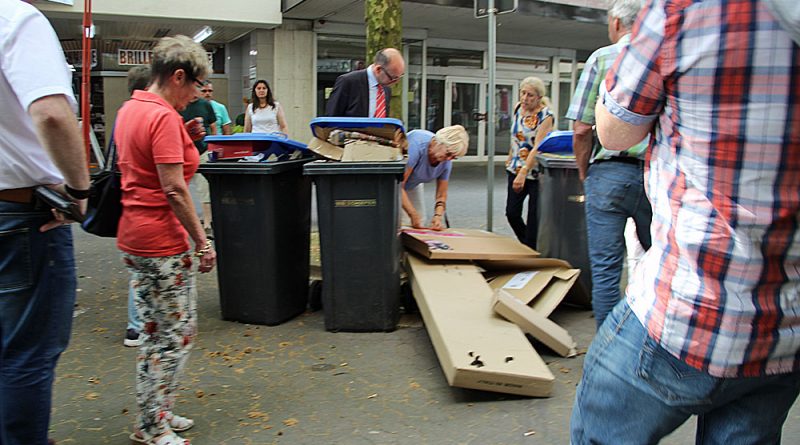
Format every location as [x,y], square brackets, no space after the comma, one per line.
[157,158]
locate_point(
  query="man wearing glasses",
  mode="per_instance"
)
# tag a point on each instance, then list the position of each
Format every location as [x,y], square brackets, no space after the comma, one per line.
[223,119]
[365,93]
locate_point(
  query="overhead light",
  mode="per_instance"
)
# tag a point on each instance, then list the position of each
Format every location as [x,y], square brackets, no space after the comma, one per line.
[204,33]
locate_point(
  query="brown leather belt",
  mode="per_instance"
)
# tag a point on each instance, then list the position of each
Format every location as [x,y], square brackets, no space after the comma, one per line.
[23,195]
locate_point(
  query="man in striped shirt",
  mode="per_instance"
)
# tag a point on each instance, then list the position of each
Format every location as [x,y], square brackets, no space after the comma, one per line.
[711,321]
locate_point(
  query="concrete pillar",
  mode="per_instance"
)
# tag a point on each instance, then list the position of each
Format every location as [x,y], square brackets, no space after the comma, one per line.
[285,58]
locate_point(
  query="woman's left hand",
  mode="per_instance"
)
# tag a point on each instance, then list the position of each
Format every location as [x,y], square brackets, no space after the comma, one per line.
[208,260]
[519,182]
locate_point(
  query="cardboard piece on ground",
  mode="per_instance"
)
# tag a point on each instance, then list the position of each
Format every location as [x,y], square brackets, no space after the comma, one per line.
[370,151]
[326,149]
[542,289]
[464,244]
[476,348]
[532,322]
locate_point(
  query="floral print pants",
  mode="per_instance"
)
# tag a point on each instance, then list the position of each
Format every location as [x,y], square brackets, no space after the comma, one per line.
[166,300]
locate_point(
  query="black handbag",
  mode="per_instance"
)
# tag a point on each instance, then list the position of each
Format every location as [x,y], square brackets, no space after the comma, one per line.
[105,198]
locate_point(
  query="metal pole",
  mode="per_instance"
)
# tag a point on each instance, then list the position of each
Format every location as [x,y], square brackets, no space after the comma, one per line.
[86,66]
[490,116]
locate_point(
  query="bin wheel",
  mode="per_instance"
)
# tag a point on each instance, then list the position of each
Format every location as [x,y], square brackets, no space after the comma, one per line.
[315,295]
[407,299]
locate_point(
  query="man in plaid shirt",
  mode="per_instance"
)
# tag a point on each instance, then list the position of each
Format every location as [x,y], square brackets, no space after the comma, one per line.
[614,184]
[711,322]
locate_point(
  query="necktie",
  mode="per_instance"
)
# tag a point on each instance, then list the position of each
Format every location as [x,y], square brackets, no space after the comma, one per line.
[380,103]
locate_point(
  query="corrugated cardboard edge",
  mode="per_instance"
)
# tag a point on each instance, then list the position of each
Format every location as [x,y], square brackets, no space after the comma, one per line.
[511,364]
[505,248]
[541,328]
[326,149]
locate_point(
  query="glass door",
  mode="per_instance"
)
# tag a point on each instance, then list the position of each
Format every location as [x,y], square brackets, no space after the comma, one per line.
[505,99]
[463,105]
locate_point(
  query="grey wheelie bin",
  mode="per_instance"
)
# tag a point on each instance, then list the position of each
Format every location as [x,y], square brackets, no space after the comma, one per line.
[262,220]
[562,219]
[357,207]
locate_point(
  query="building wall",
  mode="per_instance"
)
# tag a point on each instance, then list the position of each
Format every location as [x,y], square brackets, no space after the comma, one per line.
[235,12]
[285,59]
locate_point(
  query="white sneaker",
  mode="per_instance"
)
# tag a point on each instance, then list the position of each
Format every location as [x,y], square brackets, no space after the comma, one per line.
[133,338]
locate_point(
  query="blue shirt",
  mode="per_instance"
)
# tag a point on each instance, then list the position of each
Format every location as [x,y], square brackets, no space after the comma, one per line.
[423,171]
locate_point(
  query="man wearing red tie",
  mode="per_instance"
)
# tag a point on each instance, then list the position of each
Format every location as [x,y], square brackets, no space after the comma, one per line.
[365,93]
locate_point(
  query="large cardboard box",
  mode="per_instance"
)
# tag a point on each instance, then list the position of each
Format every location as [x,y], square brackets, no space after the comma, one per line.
[361,150]
[476,348]
[543,288]
[464,244]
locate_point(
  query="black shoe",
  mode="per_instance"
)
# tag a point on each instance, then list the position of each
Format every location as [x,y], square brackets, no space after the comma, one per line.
[133,338]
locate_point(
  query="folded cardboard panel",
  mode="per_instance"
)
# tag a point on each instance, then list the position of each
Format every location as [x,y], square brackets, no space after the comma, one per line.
[476,348]
[464,244]
[532,322]
[541,288]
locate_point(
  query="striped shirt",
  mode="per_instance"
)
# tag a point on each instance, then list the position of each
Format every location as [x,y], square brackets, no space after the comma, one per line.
[585,98]
[720,287]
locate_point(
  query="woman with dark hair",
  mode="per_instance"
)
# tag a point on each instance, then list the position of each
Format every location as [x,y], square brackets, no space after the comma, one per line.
[264,114]
[157,159]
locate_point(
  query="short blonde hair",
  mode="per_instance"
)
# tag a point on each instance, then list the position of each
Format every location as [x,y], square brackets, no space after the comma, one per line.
[179,52]
[538,85]
[455,138]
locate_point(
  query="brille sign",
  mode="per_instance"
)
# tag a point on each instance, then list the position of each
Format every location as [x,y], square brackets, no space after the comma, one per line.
[502,7]
[142,57]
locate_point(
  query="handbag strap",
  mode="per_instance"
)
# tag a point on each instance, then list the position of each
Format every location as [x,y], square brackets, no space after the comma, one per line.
[111,165]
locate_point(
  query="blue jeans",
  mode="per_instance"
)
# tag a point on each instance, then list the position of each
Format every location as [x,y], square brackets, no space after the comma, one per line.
[37,295]
[614,192]
[133,315]
[634,392]
[526,230]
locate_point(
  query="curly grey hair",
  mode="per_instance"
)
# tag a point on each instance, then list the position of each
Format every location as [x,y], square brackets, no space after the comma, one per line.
[625,10]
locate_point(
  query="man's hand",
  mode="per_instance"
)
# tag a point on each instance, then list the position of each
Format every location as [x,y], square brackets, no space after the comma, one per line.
[59,219]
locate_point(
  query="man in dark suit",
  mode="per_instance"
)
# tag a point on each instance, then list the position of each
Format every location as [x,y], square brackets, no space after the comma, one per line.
[365,93]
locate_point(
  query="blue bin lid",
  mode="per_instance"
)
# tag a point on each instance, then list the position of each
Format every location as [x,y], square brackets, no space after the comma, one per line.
[356,122]
[275,138]
[557,142]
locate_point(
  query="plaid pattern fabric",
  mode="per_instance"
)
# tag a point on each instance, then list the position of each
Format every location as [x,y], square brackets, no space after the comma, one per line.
[720,287]
[581,108]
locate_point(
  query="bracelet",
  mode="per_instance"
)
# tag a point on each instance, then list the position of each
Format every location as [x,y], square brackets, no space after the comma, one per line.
[439,203]
[204,250]
[77,194]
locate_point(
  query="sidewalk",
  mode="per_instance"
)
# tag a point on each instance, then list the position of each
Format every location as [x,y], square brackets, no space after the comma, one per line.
[297,383]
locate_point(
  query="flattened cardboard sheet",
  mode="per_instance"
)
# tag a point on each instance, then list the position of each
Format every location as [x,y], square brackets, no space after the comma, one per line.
[532,322]
[476,348]
[464,244]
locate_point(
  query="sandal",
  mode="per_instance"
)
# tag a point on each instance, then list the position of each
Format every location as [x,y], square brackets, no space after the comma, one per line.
[169,439]
[164,439]
[180,424]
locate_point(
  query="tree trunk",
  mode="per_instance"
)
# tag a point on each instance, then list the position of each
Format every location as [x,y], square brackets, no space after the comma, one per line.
[384,23]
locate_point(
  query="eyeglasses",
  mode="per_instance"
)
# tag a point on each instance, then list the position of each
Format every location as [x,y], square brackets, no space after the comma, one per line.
[389,75]
[206,91]
[198,84]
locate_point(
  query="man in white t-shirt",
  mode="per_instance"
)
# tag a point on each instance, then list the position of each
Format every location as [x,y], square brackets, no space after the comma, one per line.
[40,144]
